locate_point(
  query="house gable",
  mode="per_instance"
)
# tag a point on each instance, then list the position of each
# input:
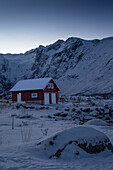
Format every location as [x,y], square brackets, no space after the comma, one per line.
[48,89]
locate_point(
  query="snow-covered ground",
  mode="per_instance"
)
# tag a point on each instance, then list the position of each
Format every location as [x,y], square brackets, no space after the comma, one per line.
[18,146]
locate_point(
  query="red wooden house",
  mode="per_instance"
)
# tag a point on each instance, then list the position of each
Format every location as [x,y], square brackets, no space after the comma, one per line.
[42,90]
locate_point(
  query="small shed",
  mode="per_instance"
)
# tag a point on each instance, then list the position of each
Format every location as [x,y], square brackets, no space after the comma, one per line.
[42,90]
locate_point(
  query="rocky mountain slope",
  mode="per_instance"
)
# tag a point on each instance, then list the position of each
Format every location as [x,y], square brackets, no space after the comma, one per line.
[77,65]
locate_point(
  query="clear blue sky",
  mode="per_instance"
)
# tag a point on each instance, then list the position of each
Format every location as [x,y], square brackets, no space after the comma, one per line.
[26,24]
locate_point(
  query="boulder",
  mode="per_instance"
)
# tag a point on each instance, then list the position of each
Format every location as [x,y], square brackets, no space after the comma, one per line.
[70,143]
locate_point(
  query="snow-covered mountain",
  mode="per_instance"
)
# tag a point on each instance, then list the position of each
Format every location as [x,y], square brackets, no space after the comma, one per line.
[77,65]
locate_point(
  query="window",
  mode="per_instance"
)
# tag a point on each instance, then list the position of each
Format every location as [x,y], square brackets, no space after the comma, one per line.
[50,86]
[34,95]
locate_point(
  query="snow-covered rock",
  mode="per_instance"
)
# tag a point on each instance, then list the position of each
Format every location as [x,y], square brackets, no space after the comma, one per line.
[70,143]
[97,122]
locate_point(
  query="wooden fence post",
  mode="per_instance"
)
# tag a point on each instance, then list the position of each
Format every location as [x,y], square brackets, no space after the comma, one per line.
[13,115]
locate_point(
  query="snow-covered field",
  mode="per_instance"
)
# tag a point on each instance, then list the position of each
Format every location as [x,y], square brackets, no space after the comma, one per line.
[18,146]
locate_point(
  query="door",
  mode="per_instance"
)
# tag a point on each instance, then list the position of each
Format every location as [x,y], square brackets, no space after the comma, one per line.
[53,98]
[46,98]
[19,98]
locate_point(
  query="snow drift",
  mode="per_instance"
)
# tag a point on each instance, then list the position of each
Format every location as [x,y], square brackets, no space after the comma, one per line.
[97,122]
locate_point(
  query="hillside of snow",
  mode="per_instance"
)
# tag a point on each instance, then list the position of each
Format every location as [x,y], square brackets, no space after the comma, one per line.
[78,66]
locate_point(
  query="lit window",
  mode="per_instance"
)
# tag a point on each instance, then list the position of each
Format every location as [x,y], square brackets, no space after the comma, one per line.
[34,95]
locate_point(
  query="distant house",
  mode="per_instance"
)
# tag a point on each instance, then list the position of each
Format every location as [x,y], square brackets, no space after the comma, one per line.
[42,90]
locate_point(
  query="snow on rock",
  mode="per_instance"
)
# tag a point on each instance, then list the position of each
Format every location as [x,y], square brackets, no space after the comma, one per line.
[74,142]
[97,122]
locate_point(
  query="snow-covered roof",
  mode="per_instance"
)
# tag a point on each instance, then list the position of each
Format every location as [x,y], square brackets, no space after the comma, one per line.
[31,84]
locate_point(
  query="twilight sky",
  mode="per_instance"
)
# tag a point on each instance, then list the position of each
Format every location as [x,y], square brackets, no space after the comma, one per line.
[26,24]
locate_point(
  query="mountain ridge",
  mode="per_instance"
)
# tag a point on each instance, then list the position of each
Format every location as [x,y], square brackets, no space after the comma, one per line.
[78,66]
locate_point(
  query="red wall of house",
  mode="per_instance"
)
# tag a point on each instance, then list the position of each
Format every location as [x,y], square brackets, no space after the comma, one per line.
[27,95]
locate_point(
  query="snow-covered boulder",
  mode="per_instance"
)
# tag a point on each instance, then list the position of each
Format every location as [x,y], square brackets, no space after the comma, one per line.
[97,122]
[70,143]
[94,113]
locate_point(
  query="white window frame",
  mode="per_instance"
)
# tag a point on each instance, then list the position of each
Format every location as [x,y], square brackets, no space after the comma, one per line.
[34,95]
[50,86]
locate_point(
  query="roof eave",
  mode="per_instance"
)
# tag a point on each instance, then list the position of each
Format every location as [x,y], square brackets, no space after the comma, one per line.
[25,90]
